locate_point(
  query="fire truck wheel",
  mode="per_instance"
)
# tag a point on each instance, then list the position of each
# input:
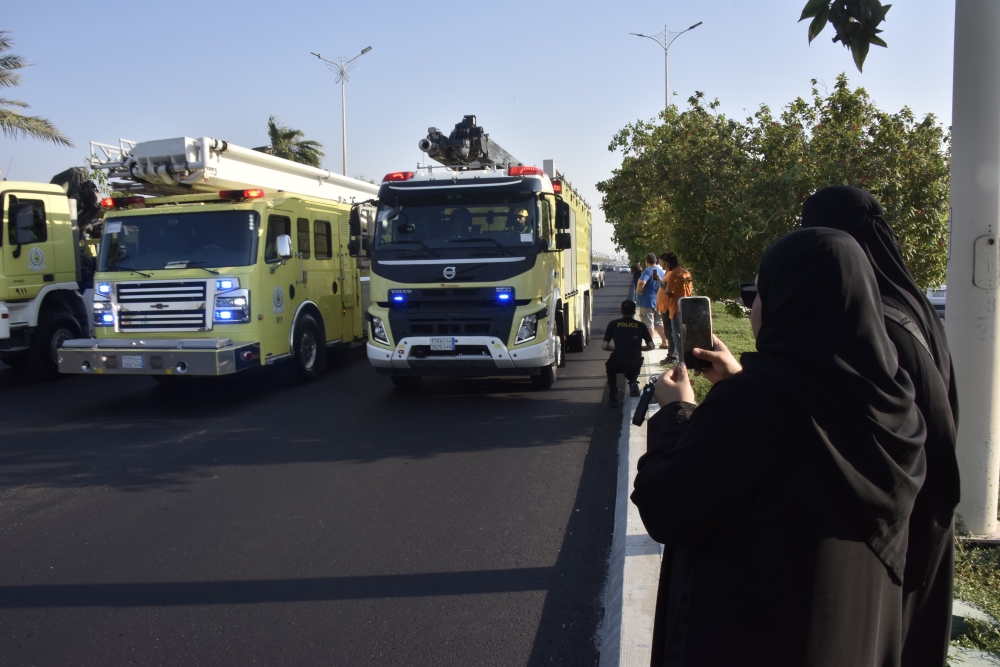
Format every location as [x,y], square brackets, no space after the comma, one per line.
[405,382]
[16,360]
[546,378]
[307,347]
[586,322]
[54,328]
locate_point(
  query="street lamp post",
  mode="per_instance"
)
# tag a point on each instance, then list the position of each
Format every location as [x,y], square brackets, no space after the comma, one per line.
[342,67]
[665,39]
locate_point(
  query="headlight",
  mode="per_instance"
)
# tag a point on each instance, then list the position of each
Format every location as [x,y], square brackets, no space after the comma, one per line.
[104,316]
[378,331]
[233,308]
[528,329]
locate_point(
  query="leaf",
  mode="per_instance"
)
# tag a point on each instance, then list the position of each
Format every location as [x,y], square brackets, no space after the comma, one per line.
[813,8]
[859,49]
[818,23]
[878,41]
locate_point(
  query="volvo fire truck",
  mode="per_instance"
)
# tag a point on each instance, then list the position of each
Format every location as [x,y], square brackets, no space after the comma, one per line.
[218,259]
[480,266]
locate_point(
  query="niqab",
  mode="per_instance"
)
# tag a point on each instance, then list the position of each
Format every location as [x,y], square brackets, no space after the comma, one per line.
[859,213]
[823,339]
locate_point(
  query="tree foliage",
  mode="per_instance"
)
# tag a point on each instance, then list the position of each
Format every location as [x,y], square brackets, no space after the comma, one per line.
[12,123]
[290,144]
[718,191]
[855,22]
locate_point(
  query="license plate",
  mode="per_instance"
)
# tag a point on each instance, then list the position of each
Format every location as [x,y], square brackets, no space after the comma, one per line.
[442,343]
[132,361]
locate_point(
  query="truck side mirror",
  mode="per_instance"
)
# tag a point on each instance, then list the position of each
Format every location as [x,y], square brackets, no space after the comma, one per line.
[562,215]
[284,246]
[23,217]
[354,247]
[564,241]
[354,222]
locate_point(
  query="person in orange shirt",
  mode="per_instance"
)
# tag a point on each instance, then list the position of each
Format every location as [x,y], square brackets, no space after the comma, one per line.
[677,284]
[663,307]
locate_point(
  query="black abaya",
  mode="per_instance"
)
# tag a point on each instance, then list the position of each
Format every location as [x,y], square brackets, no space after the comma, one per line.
[784,499]
[927,584]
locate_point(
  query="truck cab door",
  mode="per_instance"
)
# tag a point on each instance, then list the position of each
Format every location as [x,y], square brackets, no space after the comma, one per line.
[350,292]
[28,251]
[324,278]
[281,295]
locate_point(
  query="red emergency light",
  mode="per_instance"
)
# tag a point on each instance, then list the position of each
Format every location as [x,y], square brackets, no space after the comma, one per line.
[557,187]
[121,202]
[525,171]
[398,176]
[242,195]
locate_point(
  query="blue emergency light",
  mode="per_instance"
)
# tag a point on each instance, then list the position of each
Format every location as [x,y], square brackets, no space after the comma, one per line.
[104,288]
[108,318]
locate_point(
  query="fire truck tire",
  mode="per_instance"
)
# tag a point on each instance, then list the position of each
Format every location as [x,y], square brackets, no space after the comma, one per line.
[54,328]
[405,382]
[307,347]
[546,378]
[575,342]
[586,322]
[16,360]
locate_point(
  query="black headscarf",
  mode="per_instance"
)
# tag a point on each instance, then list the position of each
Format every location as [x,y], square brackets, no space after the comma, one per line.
[859,213]
[823,339]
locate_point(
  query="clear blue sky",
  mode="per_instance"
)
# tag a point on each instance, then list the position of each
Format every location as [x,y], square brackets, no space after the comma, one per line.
[103,70]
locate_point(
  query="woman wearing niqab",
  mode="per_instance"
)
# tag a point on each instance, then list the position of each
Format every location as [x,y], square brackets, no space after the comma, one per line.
[916,332]
[783,501]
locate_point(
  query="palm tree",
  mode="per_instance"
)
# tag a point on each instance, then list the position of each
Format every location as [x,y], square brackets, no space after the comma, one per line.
[12,123]
[289,144]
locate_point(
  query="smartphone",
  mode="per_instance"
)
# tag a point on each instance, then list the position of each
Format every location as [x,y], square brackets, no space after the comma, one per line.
[696,328]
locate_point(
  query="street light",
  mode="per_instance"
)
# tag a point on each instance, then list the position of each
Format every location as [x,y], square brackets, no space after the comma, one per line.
[342,67]
[665,39]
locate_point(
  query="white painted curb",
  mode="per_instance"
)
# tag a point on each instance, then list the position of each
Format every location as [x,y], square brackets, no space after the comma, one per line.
[634,567]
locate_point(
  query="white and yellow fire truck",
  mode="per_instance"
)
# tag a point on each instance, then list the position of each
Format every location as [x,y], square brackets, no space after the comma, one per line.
[238,259]
[479,267]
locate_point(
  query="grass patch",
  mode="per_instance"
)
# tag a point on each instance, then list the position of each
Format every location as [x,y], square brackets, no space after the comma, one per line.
[977,580]
[735,333]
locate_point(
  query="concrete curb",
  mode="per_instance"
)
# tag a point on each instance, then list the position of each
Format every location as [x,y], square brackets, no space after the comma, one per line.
[634,567]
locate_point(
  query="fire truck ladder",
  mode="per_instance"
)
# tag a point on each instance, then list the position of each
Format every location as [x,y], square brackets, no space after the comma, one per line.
[468,145]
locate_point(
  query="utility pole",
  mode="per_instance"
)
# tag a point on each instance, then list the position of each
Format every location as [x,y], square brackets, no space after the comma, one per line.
[972,316]
[342,67]
[665,39]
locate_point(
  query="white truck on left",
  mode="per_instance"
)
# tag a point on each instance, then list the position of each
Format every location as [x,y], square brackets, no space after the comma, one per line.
[46,268]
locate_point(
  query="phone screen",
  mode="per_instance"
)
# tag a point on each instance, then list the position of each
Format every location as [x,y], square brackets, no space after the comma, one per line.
[696,328]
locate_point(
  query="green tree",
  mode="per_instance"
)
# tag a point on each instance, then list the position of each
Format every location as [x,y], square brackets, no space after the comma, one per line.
[290,144]
[855,22]
[719,191]
[12,123]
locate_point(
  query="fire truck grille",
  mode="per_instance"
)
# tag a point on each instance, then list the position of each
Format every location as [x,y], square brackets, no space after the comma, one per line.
[162,306]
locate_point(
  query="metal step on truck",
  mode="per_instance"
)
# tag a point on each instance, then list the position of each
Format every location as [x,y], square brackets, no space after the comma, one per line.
[46,268]
[218,259]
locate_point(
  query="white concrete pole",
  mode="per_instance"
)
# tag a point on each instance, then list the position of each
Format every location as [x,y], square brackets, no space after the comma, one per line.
[343,121]
[972,315]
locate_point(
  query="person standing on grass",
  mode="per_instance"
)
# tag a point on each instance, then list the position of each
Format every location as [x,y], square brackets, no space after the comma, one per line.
[676,286]
[625,338]
[916,332]
[663,308]
[645,290]
[784,499]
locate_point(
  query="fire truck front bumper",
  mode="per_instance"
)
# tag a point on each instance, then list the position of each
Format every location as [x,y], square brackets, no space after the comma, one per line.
[191,356]
[468,356]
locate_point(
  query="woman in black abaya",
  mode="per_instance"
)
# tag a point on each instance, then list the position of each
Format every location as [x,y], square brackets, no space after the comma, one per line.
[916,332]
[784,499]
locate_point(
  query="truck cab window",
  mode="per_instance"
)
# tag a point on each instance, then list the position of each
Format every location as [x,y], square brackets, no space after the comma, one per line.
[322,234]
[276,226]
[303,228]
[38,222]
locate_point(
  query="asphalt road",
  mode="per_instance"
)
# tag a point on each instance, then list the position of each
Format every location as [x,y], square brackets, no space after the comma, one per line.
[256,520]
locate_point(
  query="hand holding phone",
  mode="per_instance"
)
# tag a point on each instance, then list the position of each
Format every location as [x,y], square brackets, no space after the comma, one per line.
[696,329]
[722,362]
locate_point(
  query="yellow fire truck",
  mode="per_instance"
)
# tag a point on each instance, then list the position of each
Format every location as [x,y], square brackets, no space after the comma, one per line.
[479,267]
[239,259]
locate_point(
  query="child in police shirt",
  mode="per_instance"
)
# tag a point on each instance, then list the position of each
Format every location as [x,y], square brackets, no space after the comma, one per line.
[626,336]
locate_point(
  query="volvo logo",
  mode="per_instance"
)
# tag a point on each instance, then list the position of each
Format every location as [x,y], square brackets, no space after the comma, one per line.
[449,272]
[159,306]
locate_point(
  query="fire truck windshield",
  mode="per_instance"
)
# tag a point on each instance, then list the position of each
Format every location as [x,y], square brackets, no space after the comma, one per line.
[180,240]
[442,221]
